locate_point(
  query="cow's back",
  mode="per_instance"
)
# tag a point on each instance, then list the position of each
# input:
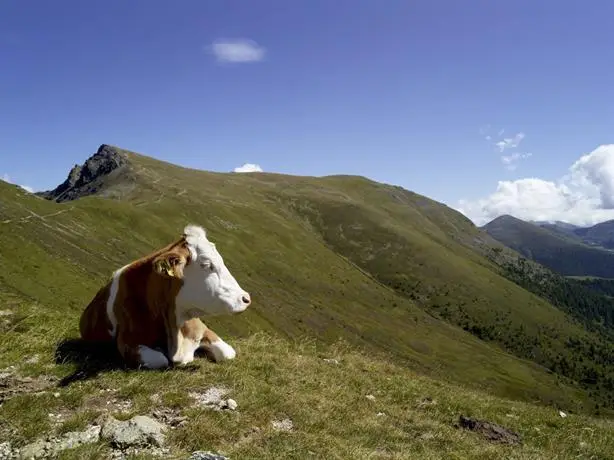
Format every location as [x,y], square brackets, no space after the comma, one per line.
[94,324]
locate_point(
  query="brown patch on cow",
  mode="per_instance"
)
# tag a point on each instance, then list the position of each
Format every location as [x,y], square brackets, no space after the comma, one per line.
[144,306]
[94,325]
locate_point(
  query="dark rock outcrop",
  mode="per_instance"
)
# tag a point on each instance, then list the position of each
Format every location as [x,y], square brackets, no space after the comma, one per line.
[89,178]
[491,431]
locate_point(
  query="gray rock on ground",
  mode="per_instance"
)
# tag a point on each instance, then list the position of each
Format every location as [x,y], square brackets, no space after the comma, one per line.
[6,451]
[138,431]
[213,398]
[45,448]
[283,425]
[206,455]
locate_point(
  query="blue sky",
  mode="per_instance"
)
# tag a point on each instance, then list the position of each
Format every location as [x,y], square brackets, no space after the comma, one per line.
[414,93]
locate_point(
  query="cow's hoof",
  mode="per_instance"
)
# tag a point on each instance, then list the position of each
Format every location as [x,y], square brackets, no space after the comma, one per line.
[152,359]
[221,351]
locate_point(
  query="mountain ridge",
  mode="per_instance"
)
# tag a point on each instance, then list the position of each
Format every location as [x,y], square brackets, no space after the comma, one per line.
[570,252]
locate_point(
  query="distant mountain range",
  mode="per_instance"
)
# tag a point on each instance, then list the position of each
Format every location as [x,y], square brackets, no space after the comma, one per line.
[563,247]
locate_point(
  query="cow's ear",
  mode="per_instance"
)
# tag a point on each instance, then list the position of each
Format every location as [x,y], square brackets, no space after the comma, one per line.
[170,264]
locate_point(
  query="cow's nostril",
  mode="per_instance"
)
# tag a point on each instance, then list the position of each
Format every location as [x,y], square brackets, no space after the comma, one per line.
[246,299]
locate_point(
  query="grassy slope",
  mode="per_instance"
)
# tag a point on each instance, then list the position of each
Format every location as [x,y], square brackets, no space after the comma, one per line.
[431,255]
[279,247]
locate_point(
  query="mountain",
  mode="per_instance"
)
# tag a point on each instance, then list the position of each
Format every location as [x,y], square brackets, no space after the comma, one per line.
[95,176]
[563,251]
[561,228]
[601,234]
[400,276]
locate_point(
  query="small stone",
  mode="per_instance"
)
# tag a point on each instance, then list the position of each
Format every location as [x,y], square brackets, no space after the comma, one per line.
[283,425]
[33,359]
[370,397]
[37,449]
[427,401]
[231,404]
[6,451]
[206,455]
[77,438]
[380,414]
[56,395]
[212,398]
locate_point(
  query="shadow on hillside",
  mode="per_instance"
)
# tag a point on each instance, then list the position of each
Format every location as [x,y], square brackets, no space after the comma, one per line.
[93,358]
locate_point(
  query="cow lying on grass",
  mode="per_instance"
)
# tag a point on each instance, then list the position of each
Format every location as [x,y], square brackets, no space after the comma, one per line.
[154,303]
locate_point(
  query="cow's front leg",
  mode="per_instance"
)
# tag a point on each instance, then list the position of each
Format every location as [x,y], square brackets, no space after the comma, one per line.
[216,347]
[180,348]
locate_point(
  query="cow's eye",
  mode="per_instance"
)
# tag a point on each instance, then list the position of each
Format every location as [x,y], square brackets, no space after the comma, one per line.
[207,264]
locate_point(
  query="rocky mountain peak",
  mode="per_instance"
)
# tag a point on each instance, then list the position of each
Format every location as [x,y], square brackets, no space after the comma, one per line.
[87,179]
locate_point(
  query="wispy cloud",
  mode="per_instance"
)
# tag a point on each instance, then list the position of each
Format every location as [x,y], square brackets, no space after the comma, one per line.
[248,167]
[7,178]
[509,142]
[510,160]
[238,50]
[505,144]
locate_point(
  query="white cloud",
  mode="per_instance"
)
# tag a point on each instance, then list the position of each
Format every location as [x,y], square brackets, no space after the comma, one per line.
[509,142]
[510,160]
[237,50]
[7,178]
[248,167]
[584,196]
[504,144]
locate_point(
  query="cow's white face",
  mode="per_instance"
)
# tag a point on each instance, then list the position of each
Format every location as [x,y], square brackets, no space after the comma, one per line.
[208,286]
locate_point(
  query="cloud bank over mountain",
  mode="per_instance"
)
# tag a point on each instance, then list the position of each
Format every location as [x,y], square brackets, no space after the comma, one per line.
[583,196]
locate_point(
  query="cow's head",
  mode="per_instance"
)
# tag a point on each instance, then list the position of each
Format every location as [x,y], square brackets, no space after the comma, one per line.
[207,285]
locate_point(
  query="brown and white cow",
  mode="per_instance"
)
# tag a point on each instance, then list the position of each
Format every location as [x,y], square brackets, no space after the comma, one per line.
[151,306]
